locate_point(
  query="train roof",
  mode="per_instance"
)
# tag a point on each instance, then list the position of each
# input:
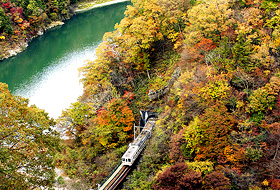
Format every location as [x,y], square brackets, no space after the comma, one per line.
[140,139]
[130,152]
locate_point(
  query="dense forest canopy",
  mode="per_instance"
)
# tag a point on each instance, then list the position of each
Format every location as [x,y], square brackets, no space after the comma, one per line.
[218,125]
[220,118]
[20,21]
[28,144]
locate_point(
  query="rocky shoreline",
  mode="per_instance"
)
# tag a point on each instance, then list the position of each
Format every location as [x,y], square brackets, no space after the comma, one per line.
[21,45]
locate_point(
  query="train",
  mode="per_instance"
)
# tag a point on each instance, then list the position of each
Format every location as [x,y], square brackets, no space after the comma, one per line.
[147,122]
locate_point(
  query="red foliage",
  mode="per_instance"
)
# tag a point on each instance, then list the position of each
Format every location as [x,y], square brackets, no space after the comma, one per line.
[178,177]
[197,53]
[128,95]
[272,155]
[175,152]
[275,184]
[205,45]
[7,5]
[230,33]
[217,181]
[16,32]
[16,10]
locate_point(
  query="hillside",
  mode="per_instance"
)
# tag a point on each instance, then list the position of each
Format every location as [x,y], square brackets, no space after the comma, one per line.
[210,69]
[218,125]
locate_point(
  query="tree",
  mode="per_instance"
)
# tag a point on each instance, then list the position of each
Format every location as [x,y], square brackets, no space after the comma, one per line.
[114,123]
[27,144]
[265,98]
[208,19]
[178,177]
[216,180]
[5,22]
[215,124]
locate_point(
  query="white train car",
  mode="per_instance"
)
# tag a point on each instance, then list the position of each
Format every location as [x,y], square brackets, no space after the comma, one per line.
[138,144]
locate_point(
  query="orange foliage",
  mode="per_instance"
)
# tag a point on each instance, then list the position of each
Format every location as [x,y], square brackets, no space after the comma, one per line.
[198,51]
[216,124]
[114,122]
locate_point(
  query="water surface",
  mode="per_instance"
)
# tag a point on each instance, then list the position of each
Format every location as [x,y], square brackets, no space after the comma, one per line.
[47,71]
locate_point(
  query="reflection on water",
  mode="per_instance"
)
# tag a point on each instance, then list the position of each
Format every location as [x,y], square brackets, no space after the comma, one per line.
[57,86]
[47,71]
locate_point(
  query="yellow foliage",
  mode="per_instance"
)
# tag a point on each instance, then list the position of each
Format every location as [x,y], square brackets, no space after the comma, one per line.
[206,19]
[203,167]
[215,90]
[265,182]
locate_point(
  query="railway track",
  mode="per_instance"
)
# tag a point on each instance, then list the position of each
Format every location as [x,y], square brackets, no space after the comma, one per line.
[116,178]
[147,122]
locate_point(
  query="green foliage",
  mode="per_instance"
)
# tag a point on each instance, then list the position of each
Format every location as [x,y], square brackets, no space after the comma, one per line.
[253,154]
[75,119]
[28,144]
[257,117]
[264,98]
[60,180]
[5,22]
[274,21]
[241,54]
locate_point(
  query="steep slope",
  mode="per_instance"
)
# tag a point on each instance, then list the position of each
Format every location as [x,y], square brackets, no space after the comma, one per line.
[218,125]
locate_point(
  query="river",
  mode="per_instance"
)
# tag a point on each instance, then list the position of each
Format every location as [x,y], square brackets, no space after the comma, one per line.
[47,71]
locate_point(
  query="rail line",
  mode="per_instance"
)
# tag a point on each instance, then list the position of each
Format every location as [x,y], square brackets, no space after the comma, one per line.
[147,123]
[116,178]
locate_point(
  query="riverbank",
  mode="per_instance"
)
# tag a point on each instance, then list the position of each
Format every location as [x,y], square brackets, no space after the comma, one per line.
[93,5]
[12,48]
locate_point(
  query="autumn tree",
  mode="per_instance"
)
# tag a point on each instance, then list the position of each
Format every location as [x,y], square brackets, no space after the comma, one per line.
[216,180]
[208,135]
[28,144]
[74,120]
[178,177]
[272,154]
[126,52]
[208,19]
[5,22]
[264,98]
[113,123]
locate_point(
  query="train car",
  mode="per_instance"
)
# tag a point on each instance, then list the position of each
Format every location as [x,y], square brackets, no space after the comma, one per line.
[138,144]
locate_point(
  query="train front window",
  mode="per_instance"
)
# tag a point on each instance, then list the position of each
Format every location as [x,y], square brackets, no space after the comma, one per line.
[129,160]
[123,159]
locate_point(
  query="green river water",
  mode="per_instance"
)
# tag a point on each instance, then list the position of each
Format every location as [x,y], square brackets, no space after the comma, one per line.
[47,71]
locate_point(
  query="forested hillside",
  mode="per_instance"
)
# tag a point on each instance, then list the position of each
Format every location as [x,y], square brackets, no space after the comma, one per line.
[22,20]
[218,125]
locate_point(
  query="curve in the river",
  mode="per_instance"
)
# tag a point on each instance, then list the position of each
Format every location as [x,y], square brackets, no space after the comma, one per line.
[47,71]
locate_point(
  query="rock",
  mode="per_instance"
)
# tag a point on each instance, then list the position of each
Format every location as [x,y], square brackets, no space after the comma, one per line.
[55,23]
